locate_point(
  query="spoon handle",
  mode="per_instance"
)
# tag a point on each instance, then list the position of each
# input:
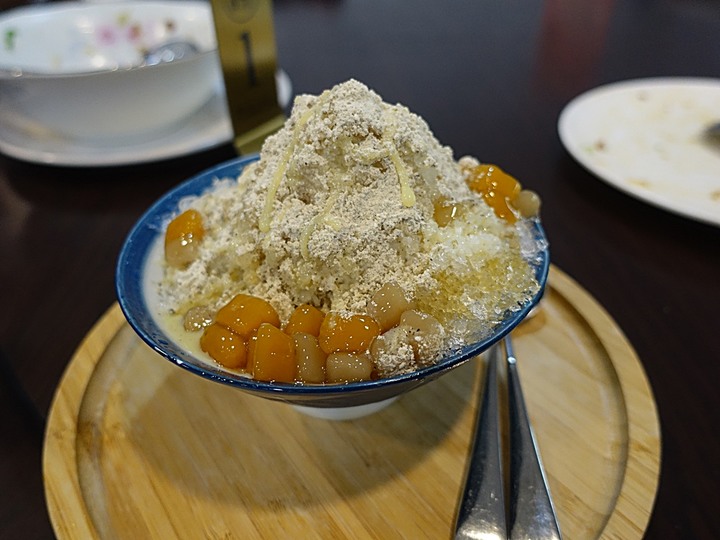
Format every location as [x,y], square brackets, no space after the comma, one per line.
[482,508]
[532,514]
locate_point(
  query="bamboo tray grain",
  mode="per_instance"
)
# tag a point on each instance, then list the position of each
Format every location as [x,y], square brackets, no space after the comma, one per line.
[137,448]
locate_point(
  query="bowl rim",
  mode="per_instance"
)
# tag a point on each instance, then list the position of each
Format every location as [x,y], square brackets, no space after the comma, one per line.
[15,72]
[130,290]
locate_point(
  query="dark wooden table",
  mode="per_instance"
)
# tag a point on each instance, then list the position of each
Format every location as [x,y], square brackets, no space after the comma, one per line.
[490,78]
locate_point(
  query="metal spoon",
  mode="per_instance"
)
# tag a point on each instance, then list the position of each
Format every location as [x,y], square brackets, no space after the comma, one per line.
[169,52]
[482,510]
[532,514]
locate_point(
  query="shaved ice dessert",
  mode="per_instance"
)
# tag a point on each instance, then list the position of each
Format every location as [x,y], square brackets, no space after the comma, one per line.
[355,248]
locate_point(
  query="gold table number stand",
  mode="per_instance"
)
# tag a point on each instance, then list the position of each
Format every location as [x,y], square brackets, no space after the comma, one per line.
[246,44]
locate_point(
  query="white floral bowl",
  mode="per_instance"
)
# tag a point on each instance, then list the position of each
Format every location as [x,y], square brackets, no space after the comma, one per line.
[77,69]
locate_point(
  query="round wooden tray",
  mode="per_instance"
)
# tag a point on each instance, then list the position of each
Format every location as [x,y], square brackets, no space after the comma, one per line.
[137,448]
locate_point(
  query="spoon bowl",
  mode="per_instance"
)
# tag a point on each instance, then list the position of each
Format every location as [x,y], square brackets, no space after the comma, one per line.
[712,133]
[170,52]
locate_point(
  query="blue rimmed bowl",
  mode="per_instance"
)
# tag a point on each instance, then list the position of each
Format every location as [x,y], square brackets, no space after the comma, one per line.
[138,268]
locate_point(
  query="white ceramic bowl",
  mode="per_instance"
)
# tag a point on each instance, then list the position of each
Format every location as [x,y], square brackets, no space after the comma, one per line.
[77,68]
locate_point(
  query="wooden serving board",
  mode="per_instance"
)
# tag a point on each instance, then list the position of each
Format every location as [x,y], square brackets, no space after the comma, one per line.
[137,448]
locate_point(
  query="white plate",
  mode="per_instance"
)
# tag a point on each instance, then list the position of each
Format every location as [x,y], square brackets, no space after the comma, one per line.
[645,137]
[206,128]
